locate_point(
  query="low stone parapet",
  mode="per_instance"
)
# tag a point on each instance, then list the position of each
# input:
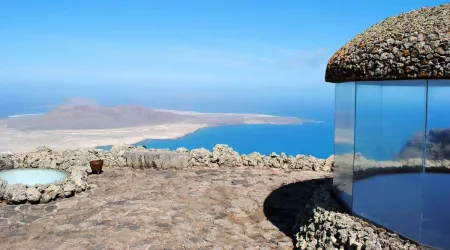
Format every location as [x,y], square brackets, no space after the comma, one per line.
[76,162]
[141,157]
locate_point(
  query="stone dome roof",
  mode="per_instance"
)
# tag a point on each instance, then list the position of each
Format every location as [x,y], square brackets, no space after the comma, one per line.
[413,45]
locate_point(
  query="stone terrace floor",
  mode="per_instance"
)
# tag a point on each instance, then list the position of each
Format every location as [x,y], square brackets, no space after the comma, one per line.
[232,208]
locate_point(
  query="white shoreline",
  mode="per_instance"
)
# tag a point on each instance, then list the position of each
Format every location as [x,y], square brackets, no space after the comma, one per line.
[22,140]
[13,116]
[15,141]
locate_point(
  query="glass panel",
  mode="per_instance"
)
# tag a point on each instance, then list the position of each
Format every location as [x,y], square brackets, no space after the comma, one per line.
[387,188]
[436,181]
[367,142]
[344,138]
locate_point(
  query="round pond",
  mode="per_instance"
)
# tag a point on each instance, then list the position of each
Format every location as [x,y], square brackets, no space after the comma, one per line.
[33,176]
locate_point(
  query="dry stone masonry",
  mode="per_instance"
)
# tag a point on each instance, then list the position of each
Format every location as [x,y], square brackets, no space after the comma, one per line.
[322,224]
[221,156]
[45,158]
[413,45]
[76,162]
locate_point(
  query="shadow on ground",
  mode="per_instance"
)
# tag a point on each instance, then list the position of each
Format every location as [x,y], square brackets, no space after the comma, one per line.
[283,205]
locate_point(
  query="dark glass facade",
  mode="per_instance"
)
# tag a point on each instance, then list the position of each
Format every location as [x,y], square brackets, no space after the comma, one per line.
[392,155]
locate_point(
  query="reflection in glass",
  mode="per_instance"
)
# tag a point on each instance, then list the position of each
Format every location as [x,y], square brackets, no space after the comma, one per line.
[436,181]
[344,140]
[367,144]
[387,188]
[380,146]
[368,127]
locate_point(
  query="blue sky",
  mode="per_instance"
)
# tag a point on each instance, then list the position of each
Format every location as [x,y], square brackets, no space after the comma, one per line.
[267,45]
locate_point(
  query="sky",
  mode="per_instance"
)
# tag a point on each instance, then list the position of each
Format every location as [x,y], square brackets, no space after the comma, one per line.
[269,47]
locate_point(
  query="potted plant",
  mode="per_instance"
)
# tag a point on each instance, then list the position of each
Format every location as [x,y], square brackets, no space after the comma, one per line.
[96,166]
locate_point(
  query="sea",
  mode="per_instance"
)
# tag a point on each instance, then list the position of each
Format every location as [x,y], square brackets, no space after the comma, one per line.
[315,139]
[309,139]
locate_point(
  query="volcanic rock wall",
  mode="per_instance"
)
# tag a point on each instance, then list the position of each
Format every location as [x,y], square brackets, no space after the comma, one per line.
[141,158]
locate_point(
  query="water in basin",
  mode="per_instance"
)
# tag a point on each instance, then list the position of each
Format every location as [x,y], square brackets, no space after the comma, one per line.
[32,176]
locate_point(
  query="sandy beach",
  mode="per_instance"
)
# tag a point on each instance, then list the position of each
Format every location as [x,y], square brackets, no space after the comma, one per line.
[22,141]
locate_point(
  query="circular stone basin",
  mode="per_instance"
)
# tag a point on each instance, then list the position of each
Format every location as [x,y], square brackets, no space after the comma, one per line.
[31,176]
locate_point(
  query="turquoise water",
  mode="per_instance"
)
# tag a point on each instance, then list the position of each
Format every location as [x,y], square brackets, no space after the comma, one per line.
[314,139]
[32,177]
[310,139]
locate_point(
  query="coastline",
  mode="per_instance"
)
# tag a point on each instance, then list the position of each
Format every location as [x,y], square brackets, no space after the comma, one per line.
[59,130]
[15,141]
[309,139]
[204,128]
[172,138]
[181,136]
[20,115]
[195,131]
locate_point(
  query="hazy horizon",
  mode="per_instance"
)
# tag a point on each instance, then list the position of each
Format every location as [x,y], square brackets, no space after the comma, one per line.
[177,50]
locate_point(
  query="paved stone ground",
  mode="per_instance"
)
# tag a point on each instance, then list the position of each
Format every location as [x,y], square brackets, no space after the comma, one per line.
[235,208]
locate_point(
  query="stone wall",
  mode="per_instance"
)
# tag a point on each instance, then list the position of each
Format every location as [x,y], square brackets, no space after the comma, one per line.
[76,162]
[141,158]
[221,156]
[322,224]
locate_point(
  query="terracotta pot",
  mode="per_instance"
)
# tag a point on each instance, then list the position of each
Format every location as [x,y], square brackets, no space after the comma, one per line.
[96,166]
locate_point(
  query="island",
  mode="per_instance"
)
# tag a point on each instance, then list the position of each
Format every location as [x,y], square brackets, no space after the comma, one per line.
[76,124]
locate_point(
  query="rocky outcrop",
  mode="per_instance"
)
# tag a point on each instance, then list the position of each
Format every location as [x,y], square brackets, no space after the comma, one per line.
[322,224]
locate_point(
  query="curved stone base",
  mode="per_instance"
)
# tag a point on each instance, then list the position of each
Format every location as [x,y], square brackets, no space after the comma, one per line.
[323,224]
[21,193]
[43,158]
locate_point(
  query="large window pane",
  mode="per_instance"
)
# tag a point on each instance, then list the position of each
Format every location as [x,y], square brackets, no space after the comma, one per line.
[344,140]
[436,181]
[367,144]
[387,188]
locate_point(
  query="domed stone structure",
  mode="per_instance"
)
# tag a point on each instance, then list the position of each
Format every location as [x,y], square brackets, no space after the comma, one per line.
[392,125]
[413,45]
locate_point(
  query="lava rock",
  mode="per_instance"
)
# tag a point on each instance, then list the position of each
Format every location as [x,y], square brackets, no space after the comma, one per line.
[15,193]
[33,195]
[406,46]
